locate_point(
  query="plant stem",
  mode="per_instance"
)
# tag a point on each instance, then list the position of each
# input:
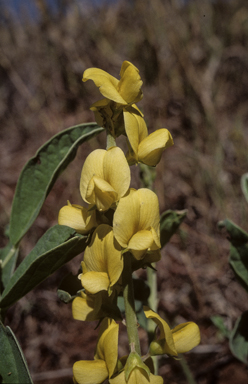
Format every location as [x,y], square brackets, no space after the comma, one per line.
[110,140]
[186,370]
[128,295]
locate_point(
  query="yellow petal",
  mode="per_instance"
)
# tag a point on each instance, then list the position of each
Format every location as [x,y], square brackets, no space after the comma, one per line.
[107,346]
[95,282]
[90,372]
[101,193]
[186,336]
[85,309]
[113,162]
[93,166]
[141,240]
[151,148]
[135,128]
[106,83]
[165,342]
[101,182]
[143,209]
[104,254]
[130,84]
[126,225]
[78,218]
[149,213]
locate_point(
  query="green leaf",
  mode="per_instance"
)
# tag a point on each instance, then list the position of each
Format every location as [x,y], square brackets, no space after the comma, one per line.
[40,173]
[55,248]
[237,235]
[169,223]
[13,366]
[238,261]
[8,255]
[239,338]
[238,258]
[68,288]
[244,185]
[218,321]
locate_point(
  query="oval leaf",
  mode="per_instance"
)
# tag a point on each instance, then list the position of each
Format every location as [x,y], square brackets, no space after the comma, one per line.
[239,338]
[55,248]
[13,367]
[40,173]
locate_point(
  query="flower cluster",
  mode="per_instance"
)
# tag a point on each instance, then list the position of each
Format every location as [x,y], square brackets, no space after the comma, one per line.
[124,227]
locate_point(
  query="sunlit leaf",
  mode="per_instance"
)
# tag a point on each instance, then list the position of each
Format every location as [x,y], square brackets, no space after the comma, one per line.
[55,248]
[40,173]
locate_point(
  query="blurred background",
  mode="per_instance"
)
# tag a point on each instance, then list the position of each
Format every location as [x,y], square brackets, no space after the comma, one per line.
[193,59]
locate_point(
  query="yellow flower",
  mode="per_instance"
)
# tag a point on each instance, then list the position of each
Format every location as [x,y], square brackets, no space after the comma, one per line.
[137,376]
[136,222]
[89,307]
[103,262]
[180,339]
[124,91]
[105,177]
[145,148]
[105,359]
[77,217]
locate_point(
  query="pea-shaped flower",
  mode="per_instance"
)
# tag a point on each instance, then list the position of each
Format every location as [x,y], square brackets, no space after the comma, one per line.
[103,262]
[145,148]
[136,222]
[105,177]
[77,217]
[180,339]
[105,359]
[124,91]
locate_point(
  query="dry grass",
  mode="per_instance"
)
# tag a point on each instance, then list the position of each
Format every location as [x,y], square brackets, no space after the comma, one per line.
[194,63]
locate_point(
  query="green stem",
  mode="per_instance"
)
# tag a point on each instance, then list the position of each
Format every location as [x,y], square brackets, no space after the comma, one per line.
[128,295]
[152,300]
[110,140]
[186,370]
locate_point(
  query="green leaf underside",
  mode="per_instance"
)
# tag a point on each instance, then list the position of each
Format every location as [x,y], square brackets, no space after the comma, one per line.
[169,223]
[55,248]
[13,366]
[40,173]
[239,338]
[8,269]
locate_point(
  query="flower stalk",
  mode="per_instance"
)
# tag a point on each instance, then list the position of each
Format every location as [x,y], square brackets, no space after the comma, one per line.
[128,295]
